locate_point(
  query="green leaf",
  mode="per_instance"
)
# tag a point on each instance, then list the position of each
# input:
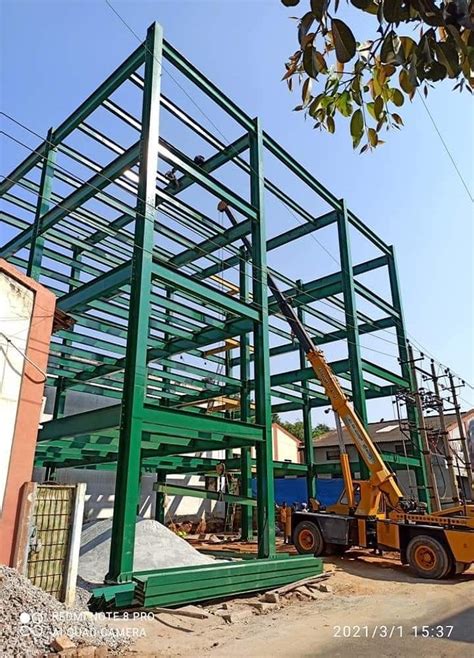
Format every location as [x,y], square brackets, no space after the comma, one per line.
[448,57]
[290,3]
[366,5]
[344,41]
[398,119]
[330,125]
[357,128]
[318,7]
[304,26]
[435,72]
[319,62]
[392,10]
[408,46]
[378,107]
[371,110]
[313,108]
[390,52]
[306,91]
[405,83]
[344,104]
[373,137]
[396,97]
[308,61]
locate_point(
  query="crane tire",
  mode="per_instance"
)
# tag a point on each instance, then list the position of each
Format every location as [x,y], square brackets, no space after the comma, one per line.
[308,539]
[428,557]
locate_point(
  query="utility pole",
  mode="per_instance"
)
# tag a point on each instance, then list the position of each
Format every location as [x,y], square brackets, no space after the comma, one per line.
[444,434]
[433,487]
[462,434]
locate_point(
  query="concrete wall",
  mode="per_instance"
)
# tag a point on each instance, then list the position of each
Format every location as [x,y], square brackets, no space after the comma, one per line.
[26,320]
[99,500]
[16,307]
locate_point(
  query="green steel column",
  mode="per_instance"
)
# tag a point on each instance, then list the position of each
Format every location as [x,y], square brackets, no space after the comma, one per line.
[307,423]
[42,207]
[245,453]
[350,309]
[263,412]
[60,399]
[166,337]
[135,375]
[160,498]
[421,475]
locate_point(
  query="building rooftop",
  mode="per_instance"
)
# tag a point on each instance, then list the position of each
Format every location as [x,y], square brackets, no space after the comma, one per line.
[386,431]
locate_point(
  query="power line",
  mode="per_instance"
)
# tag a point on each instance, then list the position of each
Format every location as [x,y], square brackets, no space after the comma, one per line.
[77,178]
[450,156]
[312,236]
[332,306]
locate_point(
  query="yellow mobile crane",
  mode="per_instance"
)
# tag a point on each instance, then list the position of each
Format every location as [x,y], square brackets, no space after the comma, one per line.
[373,513]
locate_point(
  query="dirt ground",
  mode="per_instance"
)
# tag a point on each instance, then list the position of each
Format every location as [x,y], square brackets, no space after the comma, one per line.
[376,608]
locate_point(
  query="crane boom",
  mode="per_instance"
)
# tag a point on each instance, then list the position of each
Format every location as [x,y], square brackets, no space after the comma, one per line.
[381,478]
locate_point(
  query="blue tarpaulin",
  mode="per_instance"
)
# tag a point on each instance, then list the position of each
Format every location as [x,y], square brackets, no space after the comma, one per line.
[293,490]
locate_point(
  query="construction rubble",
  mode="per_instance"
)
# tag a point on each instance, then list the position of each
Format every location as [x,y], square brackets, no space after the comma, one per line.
[33,623]
[307,589]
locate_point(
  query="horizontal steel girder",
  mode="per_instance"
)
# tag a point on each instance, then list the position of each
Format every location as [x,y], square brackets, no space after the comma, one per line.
[85,192]
[195,492]
[122,73]
[203,291]
[155,417]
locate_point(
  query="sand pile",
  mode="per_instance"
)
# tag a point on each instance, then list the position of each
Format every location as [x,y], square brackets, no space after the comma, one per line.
[156,547]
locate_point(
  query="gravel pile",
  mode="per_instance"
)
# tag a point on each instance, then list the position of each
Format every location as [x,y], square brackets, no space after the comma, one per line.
[156,547]
[30,619]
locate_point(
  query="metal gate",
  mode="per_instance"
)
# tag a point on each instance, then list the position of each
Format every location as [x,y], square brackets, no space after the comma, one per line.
[50,536]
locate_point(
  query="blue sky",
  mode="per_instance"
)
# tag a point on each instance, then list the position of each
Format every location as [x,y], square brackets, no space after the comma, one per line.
[55,53]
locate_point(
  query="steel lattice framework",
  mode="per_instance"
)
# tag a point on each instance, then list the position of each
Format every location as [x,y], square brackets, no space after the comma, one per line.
[120,238]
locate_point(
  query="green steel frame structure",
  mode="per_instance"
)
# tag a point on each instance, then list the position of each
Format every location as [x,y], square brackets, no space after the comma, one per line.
[172,314]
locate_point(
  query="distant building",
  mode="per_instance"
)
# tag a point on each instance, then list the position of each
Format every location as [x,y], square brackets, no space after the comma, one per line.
[389,437]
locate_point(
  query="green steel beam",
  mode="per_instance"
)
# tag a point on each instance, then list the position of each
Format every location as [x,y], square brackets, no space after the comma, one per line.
[203,291]
[311,225]
[350,308]
[99,288]
[246,514]
[264,451]
[134,392]
[195,492]
[371,297]
[175,158]
[42,206]
[122,73]
[385,374]
[209,88]
[421,474]
[212,244]
[83,423]
[324,193]
[334,468]
[307,422]
[75,199]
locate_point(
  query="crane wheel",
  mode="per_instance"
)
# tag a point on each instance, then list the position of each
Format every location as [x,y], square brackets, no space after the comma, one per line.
[428,557]
[308,539]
